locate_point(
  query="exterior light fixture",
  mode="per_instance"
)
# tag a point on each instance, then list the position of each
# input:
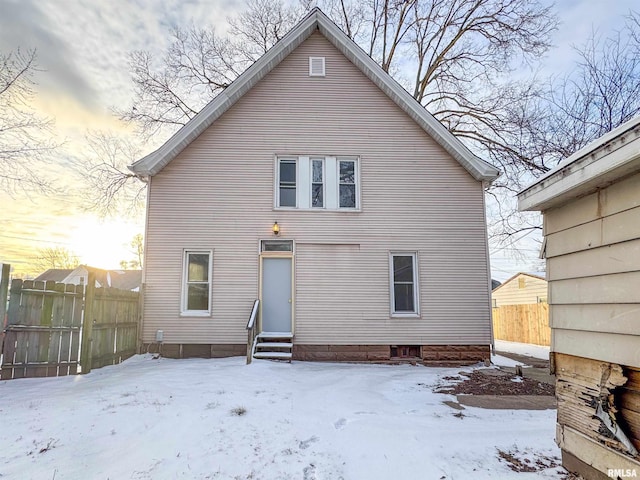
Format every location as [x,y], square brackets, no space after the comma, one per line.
[276,228]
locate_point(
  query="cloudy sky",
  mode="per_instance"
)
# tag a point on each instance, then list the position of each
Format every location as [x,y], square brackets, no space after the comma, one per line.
[82,48]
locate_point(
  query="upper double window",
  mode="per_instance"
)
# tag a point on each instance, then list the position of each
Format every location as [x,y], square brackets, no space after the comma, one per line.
[330,183]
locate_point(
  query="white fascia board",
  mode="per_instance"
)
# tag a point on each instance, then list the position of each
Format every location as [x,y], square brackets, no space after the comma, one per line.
[477,167]
[581,177]
[155,161]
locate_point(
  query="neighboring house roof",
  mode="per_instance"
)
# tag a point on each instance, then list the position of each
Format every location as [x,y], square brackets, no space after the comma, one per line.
[121,279]
[316,20]
[53,275]
[538,276]
[595,166]
[495,284]
[126,279]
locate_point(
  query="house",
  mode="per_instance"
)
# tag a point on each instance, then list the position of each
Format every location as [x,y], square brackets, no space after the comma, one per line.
[522,288]
[54,275]
[520,310]
[120,279]
[318,185]
[591,209]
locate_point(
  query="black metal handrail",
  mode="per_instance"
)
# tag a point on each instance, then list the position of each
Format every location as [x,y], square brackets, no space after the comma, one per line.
[251,329]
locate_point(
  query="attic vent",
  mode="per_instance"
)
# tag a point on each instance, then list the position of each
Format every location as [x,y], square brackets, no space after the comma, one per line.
[316,67]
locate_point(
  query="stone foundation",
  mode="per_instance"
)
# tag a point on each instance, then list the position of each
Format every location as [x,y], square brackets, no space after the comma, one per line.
[433,355]
[454,355]
[190,350]
[341,353]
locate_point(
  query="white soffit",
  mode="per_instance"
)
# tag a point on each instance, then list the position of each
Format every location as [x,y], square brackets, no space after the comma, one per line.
[605,160]
[157,160]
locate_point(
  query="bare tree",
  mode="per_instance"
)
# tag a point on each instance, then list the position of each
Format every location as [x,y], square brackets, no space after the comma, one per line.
[137,246]
[55,257]
[200,63]
[456,57]
[453,55]
[23,143]
[601,93]
[109,187]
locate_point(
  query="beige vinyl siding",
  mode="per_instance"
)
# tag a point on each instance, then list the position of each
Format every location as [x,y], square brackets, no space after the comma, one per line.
[510,293]
[593,268]
[218,195]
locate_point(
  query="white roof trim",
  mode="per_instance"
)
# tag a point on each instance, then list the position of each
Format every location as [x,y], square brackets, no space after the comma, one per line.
[610,157]
[157,160]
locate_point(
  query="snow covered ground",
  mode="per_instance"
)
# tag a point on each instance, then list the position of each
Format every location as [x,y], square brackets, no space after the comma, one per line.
[220,419]
[535,351]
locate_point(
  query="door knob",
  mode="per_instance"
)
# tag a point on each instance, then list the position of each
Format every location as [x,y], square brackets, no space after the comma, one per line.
[289,300]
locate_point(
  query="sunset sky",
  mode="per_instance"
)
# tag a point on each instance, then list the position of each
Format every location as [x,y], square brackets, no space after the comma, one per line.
[82,48]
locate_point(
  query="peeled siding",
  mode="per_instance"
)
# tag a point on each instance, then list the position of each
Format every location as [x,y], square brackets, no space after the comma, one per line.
[510,293]
[593,270]
[218,194]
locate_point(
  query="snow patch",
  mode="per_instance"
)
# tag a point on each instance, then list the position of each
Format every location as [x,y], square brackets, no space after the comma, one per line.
[169,418]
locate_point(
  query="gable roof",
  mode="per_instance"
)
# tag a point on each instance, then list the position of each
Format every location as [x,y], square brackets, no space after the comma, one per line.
[606,159]
[316,20]
[53,275]
[533,275]
[126,279]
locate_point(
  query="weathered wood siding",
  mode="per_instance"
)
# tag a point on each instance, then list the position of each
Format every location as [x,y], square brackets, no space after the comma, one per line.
[582,384]
[510,293]
[593,269]
[218,194]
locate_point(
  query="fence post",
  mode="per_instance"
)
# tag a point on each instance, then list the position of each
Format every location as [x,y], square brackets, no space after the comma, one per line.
[87,323]
[4,291]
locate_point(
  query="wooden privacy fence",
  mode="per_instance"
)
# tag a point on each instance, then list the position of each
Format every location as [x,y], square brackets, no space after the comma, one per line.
[527,323]
[55,329]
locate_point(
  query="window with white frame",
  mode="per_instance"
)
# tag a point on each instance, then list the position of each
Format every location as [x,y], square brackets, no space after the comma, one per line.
[347,180]
[317,183]
[403,270]
[287,180]
[196,284]
[329,183]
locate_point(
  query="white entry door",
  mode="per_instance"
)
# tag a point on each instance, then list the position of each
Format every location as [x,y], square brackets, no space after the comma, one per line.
[277,301]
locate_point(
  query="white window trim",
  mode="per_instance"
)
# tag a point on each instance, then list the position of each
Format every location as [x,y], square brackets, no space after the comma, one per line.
[356,175]
[324,67]
[183,300]
[416,286]
[324,183]
[277,182]
[330,184]
[271,239]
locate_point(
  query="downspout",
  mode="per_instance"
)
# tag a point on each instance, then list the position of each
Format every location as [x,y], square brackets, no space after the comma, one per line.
[490,283]
[143,281]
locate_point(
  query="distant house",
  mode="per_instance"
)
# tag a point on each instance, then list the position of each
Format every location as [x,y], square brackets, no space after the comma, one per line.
[591,209]
[121,279]
[521,289]
[318,185]
[54,275]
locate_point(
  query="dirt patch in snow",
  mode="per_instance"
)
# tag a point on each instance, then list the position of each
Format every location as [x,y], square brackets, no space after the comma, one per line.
[493,382]
[521,463]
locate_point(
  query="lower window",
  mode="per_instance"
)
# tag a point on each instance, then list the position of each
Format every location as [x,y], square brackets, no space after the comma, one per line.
[404,284]
[196,284]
